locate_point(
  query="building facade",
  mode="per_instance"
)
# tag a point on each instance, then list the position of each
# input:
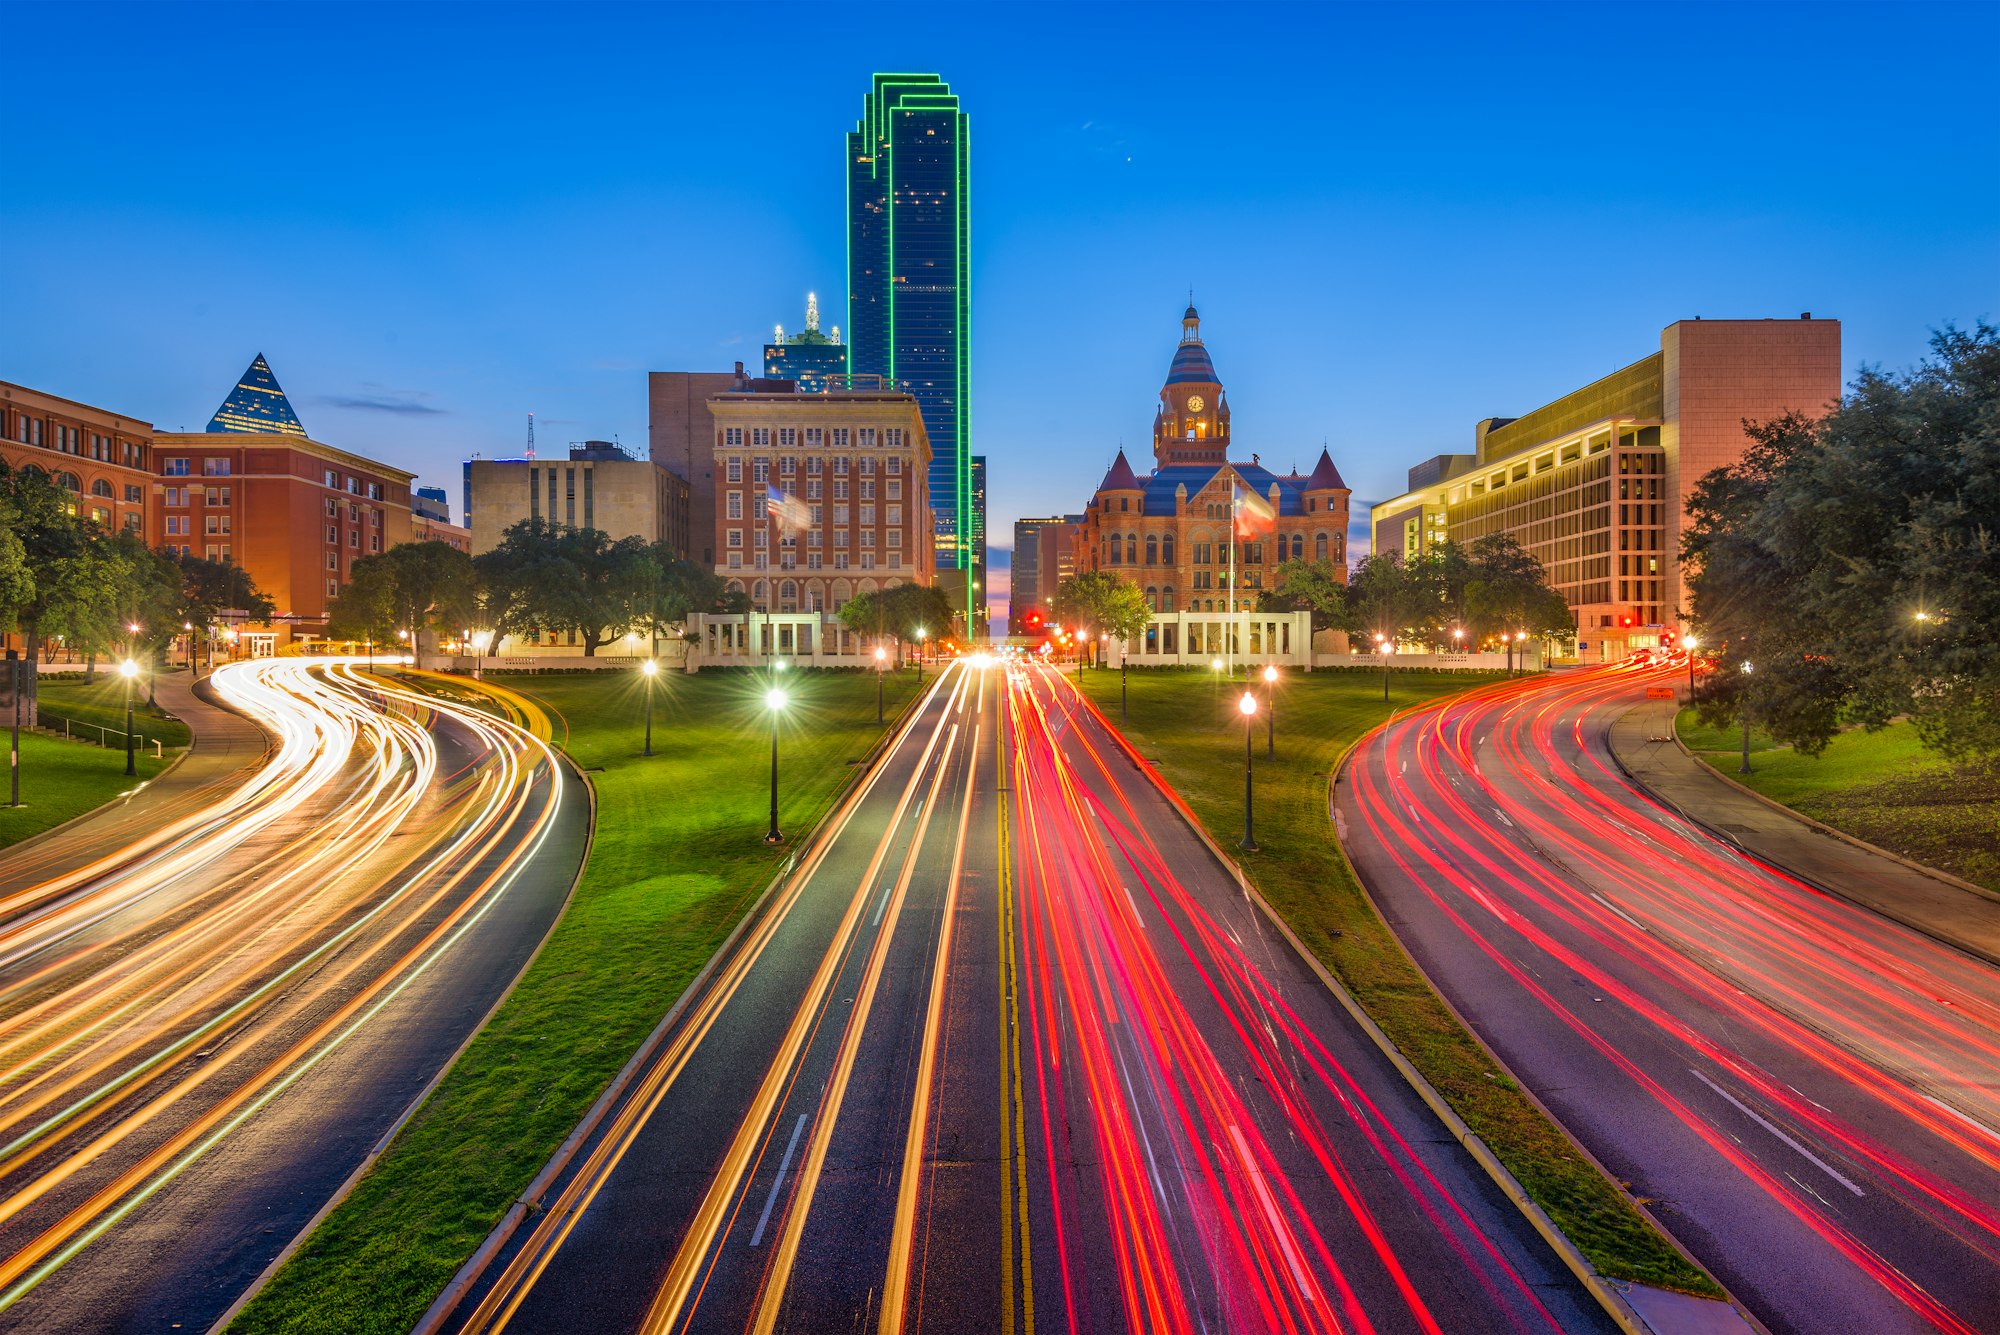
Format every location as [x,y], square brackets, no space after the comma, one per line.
[294,512]
[1595,484]
[909,295]
[1202,532]
[680,433]
[1025,593]
[813,360]
[597,486]
[104,460]
[820,497]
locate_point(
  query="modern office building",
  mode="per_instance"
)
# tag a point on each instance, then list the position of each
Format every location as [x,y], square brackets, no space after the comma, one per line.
[1024,579]
[820,497]
[597,486]
[104,460]
[814,360]
[909,308]
[976,543]
[294,512]
[1172,531]
[1595,484]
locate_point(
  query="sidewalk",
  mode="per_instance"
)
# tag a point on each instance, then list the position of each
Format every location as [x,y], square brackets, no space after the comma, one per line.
[1953,911]
[226,746]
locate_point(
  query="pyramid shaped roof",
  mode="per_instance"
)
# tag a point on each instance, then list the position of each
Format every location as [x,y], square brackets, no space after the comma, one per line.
[257,406]
[1120,476]
[1325,477]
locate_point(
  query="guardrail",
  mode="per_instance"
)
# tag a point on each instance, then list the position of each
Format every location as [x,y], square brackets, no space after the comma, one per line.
[76,730]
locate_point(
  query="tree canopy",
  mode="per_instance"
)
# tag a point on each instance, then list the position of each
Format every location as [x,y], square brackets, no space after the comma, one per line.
[1854,560]
[905,612]
[1101,603]
[550,577]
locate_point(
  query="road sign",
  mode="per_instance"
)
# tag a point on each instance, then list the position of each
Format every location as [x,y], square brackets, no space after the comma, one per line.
[1659,692]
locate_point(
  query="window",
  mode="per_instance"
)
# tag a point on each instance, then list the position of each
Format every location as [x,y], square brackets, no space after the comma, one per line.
[868,487]
[815,435]
[788,436]
[354,538]
[374,491]
[868,467]
[735,503]
[735,560]
[760,470]
[787,466]
[1117,549]
[214,467]
[333,533]
[840,514]
[375,542]
[134,493]
[840,558]
[867,440]
[840,489]
[812,489]
[333,560]
[1167,554]
[895,466]
[893,437]
[735,537]
[354,486]
[840,540]
[134,521]
[174,467]
[333,588]
[867,560]
[840,467]
[815,539]
[895,537]
[867,514]
[895,489]
[733,471]
[840,438]
[100,487]
[818,515]
[760,435]
[813,559]
[760,538]
[733,436]
[814,463]
[100,515]
[893,514]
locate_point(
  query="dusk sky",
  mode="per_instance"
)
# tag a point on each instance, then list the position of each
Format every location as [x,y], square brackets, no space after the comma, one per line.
[1395,221]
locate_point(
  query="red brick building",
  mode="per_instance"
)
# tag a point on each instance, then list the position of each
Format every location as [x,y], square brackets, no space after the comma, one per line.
[103,459]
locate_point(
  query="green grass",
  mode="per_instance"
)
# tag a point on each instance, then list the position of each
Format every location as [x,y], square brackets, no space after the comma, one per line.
[62,779]
[102,704]
[678,858]
[1884,787]
[1181,723]
[1700,737]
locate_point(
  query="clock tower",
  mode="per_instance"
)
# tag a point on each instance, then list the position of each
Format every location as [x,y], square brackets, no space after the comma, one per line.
[1192,424]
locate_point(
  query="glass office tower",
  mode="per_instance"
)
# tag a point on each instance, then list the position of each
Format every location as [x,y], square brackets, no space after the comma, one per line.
[908,283]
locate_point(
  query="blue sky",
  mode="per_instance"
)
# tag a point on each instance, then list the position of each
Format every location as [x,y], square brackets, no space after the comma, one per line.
[1396,220]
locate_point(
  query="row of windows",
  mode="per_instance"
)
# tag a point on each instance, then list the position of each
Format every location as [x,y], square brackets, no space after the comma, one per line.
[1124,549]
[788,466]
[784,437]
[66,439]
[814,561]
[866,537]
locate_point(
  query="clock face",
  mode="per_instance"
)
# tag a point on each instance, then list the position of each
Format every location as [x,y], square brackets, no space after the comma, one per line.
[1196,403]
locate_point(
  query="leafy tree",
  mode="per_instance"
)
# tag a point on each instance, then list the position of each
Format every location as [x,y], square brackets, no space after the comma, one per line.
[365,608]
[1812,556]
[901,611]
[1103,604]
[57,559]
[1394,601]
[1308,586]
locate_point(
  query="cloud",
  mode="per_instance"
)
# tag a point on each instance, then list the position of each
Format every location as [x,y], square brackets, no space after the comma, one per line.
[406,405]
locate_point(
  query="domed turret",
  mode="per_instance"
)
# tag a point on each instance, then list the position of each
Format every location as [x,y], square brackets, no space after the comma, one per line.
[1192,425]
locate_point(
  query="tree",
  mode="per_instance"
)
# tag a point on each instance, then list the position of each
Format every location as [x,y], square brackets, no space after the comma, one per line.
[581,581]
[1308,586]
[211,590]
[907,612]
[1813,555]
[1388,600]
[1103,604]
[55,545]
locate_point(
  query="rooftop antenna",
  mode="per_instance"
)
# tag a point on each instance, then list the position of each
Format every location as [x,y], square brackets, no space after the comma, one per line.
[531,435]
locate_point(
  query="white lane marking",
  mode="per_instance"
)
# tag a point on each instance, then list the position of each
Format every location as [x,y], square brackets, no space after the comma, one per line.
[1620,912]
[1942,1106]
[1503,818]
[882,904]
[1752,1114]
[783,1164]
[1486,903]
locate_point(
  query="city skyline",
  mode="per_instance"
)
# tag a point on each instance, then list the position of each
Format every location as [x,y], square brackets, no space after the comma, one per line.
[421,313]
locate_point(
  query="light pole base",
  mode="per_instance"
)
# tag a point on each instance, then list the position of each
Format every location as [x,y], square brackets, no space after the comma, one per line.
[774,838]
[1249,846]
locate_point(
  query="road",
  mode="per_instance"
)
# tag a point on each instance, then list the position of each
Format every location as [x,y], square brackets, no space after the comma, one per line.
[1808,1091]
[206,1024]
[1009,1051]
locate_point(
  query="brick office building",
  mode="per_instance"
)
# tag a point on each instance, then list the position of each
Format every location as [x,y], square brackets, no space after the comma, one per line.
[1171,531]
[819,497]
[1595,484]
[292,511]
[101,458]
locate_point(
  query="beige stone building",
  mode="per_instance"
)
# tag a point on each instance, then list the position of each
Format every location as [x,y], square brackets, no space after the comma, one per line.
[819,497]
[597,486]
[1595,484]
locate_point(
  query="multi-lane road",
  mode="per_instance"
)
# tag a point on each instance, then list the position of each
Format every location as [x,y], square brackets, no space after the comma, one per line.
[1810,1093]
[207,1019]
[1009,1050]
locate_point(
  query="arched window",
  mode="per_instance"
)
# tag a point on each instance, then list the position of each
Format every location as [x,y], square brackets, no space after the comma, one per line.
[813,601]
[867,586]
[788,591]
[1298,546]
[736,586]
[1340,546]
[1319,546]
[760,592]
[1152,549]
[1117,549]
[100,488]
[69,481]
[843,592]
[1153,598]
[1167,549]
[1167,599]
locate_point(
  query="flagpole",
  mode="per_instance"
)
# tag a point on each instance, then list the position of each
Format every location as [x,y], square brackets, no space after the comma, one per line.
[1231,652]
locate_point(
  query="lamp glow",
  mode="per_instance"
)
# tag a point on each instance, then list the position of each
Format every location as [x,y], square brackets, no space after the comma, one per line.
[774,699]
[1270,673]
[128,668]
[1248,704]
[649,667]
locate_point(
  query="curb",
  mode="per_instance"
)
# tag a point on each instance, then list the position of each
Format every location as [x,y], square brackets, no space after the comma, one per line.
[1886,911]
[502,1232]
[1608,1293]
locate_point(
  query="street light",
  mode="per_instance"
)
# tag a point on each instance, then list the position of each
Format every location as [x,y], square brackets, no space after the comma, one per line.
[128,670]
[1384,648]
[774,700]
[1270,709]
[921,637]
[649,670]
[1215,666]
[1743,709]
[1689,644]
[1248,706]
[480,639]
[881,657]
[1082,647]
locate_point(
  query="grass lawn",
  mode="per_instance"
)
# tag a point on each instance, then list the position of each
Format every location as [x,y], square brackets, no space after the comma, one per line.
[678,857]
[1195,737]
[102,703]
[1885,787]
[62,779]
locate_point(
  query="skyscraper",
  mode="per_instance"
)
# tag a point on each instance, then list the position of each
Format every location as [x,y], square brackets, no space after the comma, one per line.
[908,284]
[809,358]
[975,545]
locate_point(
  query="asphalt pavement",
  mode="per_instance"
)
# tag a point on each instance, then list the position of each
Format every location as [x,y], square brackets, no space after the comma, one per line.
[1007,1050]
[214,1003]
[1807,1092]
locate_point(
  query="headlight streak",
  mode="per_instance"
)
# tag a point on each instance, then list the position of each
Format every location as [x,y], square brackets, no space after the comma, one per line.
[1881,1010]
[1100,983]
[348,916]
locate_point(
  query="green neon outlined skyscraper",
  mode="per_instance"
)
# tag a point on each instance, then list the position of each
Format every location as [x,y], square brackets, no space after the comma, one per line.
[909,291]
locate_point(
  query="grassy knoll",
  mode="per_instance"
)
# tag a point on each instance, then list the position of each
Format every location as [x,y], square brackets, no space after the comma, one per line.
[678,857]
[1884,787]
[1193,734]
[62,779]
[102,704]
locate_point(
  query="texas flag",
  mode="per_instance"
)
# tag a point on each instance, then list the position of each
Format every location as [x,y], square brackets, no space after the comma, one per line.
[1254,515]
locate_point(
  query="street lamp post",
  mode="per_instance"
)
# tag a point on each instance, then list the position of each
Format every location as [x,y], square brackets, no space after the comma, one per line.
[1248,706]
[1215,666]
[1743,709]
[1082,647]
[1270,709]
[128,670]
[14,665]
[921,639]
[1689,644]
[881,655]
[649,669]
[1124,715]
[774,700]
[1382,647]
